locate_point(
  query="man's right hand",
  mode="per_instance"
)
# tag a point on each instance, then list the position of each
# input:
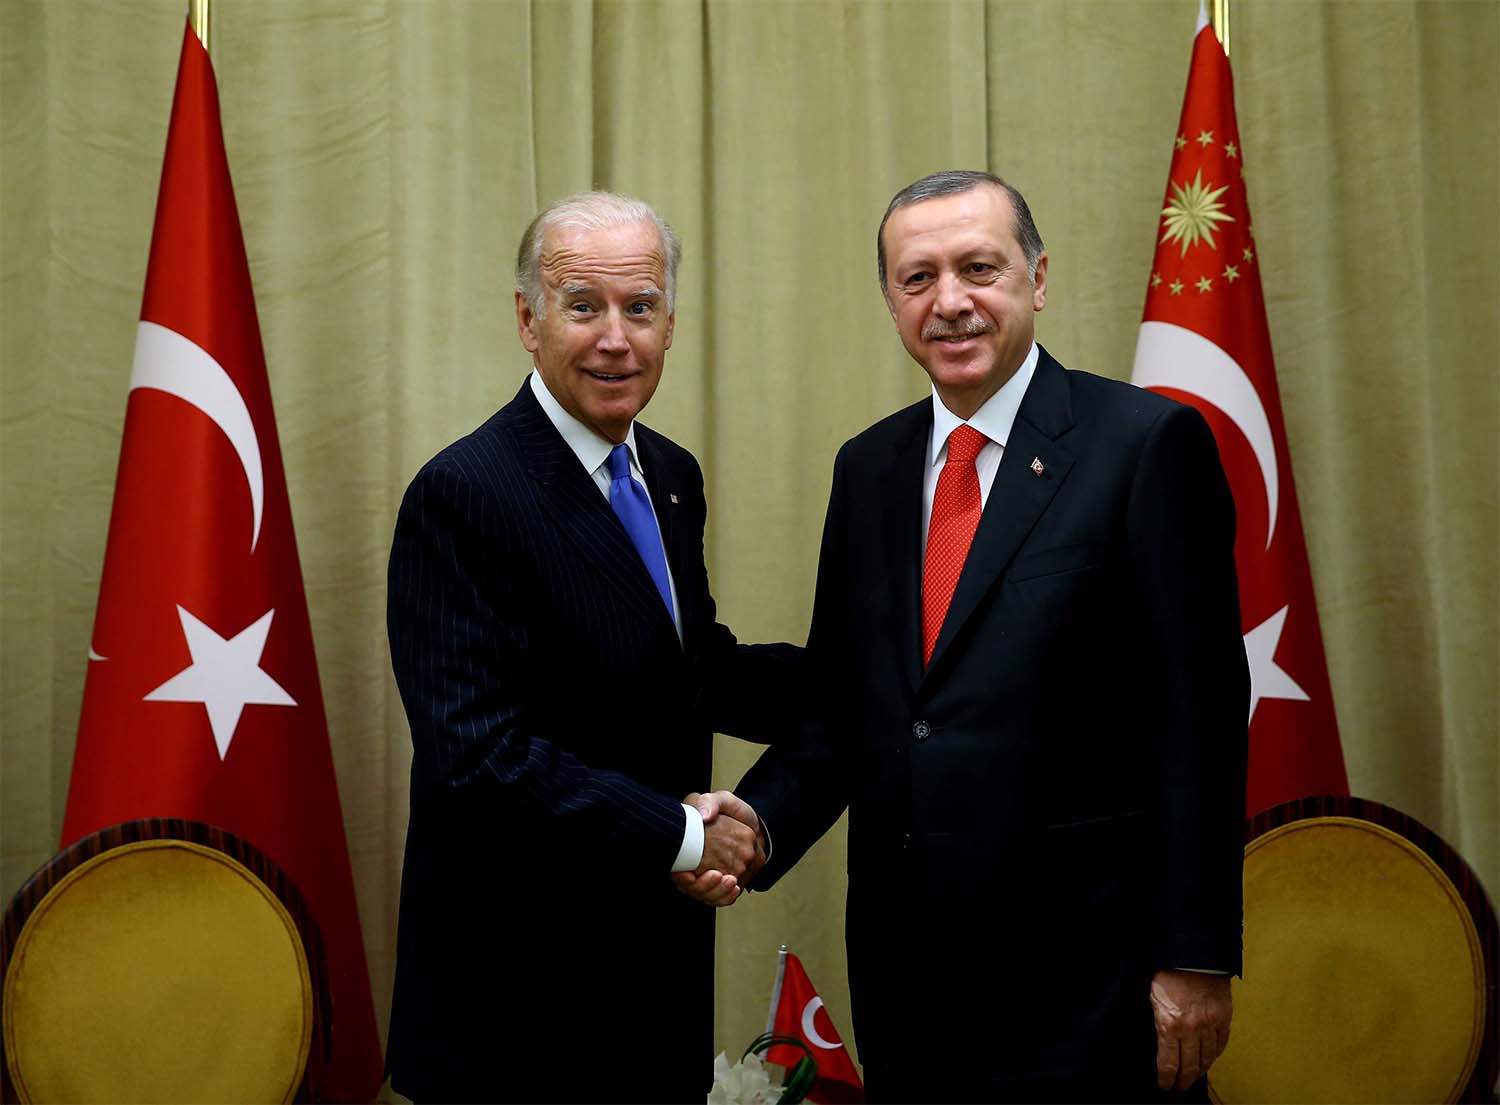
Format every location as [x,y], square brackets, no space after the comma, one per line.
[731,835]
[733,849]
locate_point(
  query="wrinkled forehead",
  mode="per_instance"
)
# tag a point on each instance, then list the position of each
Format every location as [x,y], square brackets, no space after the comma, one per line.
[631,253]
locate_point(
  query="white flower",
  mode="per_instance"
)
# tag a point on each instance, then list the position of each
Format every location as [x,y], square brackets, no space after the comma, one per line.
[744,1083]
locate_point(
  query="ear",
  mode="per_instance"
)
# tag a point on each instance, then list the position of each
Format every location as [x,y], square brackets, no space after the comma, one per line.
[671,326]
[1039,284]
[526,323]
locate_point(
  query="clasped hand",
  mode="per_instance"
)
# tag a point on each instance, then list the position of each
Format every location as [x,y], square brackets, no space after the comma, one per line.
[733,849]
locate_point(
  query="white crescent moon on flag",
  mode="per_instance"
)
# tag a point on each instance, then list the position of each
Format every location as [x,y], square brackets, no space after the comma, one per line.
[167,361]
[809,1031]
[1168,356]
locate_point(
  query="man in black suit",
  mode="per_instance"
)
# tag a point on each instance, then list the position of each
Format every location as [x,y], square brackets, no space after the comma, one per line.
[554,641]
[1026,636]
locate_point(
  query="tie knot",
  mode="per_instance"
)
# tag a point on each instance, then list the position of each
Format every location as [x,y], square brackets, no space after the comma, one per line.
[964,444]
[619,462]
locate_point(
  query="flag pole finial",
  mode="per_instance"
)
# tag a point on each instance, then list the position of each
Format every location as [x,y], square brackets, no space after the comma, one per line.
[198,17]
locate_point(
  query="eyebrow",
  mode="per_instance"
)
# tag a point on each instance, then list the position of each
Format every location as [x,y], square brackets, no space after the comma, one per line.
[576,288]
[963,257]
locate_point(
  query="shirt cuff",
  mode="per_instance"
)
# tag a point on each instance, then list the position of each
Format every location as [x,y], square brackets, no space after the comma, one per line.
[691,852]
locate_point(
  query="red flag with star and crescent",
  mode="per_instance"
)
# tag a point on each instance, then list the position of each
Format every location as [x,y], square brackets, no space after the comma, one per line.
[1204,340]
[797,1011]
[202,698]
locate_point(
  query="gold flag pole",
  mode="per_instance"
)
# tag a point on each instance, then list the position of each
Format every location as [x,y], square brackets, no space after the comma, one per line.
[198,17]
[1219,19]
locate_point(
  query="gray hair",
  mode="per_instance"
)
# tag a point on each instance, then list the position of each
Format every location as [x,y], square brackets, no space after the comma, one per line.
[590,211]
[952,182]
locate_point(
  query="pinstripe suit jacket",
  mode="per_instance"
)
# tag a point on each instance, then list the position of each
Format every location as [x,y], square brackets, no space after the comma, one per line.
[556,721]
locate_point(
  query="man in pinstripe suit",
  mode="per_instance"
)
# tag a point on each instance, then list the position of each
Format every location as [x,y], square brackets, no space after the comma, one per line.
[562,672]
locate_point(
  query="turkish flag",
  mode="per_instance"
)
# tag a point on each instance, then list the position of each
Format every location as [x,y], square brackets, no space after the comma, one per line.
[1204,340]
[797,1010]
[202,698]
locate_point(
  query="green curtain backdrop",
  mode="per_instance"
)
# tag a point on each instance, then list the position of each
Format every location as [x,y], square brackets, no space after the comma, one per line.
[387,154]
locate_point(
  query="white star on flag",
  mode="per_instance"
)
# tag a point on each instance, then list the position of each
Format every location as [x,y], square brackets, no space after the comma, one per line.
[225,675]
[1267,679]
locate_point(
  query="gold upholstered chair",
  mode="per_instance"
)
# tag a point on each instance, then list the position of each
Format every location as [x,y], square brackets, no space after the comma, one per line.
[162,960]
[1370,964]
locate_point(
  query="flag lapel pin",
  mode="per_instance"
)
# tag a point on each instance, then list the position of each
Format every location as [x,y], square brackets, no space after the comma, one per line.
[1037,467]
[673,496]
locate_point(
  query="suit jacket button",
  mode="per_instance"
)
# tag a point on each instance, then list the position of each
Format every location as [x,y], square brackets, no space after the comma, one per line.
[921,730]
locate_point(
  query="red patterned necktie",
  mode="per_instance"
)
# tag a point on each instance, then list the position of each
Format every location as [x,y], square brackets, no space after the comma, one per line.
[955,516]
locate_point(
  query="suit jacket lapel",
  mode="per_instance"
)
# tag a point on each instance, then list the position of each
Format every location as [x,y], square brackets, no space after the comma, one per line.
[570,496]
[1017,497]
[902,484]
[665,486]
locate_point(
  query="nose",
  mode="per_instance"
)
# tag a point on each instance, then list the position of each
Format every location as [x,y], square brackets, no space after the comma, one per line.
[612,336]
[952,299]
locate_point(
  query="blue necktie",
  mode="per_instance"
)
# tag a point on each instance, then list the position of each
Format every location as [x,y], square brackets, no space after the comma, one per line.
[632,506]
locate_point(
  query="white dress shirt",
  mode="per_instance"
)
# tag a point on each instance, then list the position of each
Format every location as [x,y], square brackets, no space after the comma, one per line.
[994,420]
[593,452]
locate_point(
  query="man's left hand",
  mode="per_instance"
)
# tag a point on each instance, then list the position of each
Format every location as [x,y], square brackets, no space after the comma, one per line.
[1192,1024]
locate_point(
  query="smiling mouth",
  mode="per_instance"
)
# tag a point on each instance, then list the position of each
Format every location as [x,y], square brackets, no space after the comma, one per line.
[608,379]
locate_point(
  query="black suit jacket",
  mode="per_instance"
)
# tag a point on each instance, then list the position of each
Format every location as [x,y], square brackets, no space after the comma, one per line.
[556,721]
[1052,810]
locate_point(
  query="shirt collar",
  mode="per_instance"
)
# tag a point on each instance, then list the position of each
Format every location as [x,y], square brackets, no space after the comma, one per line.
[590,449]
[994,419]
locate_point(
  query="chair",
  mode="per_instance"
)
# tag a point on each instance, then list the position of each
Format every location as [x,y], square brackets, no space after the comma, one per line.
[1370,963]
[162,960]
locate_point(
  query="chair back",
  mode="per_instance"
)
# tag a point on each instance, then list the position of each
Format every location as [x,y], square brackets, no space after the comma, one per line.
[1370,963]
[161,960]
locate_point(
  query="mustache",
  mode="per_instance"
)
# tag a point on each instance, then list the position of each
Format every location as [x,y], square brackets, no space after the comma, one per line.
[937,329]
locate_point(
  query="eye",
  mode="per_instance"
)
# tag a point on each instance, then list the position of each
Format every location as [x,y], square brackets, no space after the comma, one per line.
[916,280]
[580,307]
[979,268]
[640,309]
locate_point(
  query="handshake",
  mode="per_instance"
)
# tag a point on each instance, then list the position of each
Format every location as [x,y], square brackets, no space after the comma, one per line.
[734,849]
